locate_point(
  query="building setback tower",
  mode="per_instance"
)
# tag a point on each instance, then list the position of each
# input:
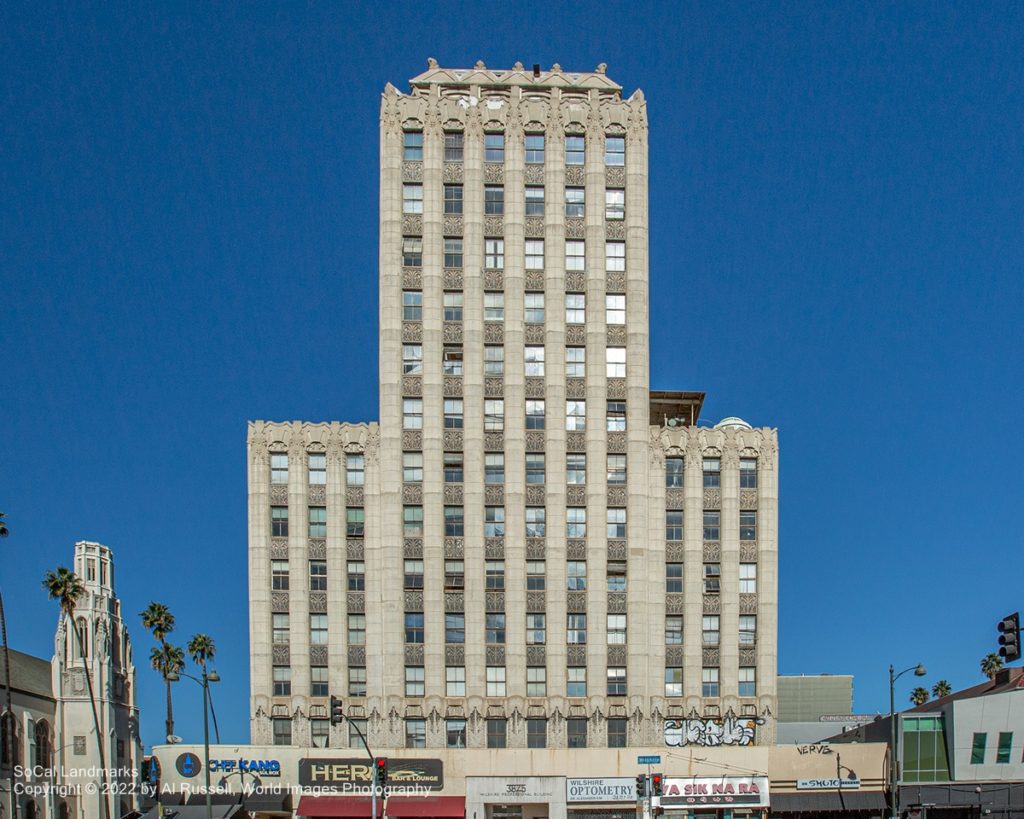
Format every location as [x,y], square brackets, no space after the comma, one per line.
[531,549]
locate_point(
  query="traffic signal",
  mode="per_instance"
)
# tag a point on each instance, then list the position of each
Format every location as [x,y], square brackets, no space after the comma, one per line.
[1009,637]
[656,783]
[337,715]
[641,786]
[382,770]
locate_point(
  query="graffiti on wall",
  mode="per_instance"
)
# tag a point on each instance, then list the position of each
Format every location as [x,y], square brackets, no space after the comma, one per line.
[716,731]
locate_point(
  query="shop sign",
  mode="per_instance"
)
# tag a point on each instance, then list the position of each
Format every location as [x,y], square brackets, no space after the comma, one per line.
[716,790]
[826,784]
[514,790]
[606,789]
[318,772]
[260,767]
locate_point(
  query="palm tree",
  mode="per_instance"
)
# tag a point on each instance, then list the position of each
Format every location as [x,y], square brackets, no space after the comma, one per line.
[167,660]
[941,689]
[67,588]
[8,713]
[202,650]
[159,620]
[919,696]
[990,665]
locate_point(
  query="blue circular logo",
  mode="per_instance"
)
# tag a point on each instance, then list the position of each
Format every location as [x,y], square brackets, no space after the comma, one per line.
[188,765]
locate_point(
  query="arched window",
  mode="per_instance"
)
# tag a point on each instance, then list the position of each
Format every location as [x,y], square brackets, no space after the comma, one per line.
[8,728]
[83,638]
[43,744]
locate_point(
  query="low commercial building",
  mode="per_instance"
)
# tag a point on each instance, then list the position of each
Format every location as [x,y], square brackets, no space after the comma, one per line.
[813,707]
[698,782]
[961,756]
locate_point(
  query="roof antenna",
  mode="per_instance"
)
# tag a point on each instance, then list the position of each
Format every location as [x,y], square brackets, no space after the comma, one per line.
[536,71]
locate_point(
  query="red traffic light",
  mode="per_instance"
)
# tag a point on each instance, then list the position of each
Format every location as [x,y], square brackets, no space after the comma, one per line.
[381,764]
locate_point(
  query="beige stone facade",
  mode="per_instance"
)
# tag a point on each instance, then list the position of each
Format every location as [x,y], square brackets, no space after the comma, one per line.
[531,548]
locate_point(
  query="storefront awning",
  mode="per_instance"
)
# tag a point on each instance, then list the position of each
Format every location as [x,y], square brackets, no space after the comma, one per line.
[401,807]
[826,801]
[448,807]
[337,807]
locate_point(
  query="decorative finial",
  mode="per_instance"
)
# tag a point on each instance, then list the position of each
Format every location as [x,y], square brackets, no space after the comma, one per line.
[431,62]
[602,68]
[556,69]
[517,66]
[479,64]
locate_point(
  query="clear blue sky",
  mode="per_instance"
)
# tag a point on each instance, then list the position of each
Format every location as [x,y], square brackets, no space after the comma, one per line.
[188,227]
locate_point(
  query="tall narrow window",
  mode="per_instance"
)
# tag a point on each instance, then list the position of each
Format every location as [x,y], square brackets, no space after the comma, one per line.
[673,682]
[615,309]
[616,469]
[412,146]
[576,681]
[453,418]
[494,306]
[536,681]
[673,577]
[279,521]
[614,204]
[455,681]
[452,252]
[494,414]
[494,200]
[318,629]
[455,628]
[281,629]
[712,524]
[355,521]
[534,200]
[282,680]
[615,256]
[534,360]
[494,360]
[317,468]
[453,305]
[412,413]
[454,521]
[616,629]
[357,683]
[412,467]
[674,473]
[576,630]
[575,468]
[278,467]
[748,473]
[494,521]
[615,362]
[674,630]
[495,628]
[575,416]
[494,254]
[575,203]
[748,629]
[534,254]
[356,570]
[453,143]
[536,517]
[495,681]
[710,630]
[748,525]
[414,627]
[614,151]
[494,468]
[576,575]
[453,199]
[575,150]
[575,308]
[712,473]
[355,470]
[412,305]
[575,362]
[318,575]
[412,359]
[534,144]
[616,417]
[451,358]
[978,749]
[494,147]
[534,467]
[413,574]
[748,681]
[279,575]
[616,517]
[534,308]
[575,255]
[709,682]
[535,414]
[317,521]
[616,681]
[674,525]
[576,521]
[412,198]
[412,251]
[497,733]
[748,578]
[453,467]
[412,521]
[494,575]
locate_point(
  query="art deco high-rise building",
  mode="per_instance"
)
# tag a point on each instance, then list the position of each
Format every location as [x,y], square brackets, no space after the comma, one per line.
[531,548]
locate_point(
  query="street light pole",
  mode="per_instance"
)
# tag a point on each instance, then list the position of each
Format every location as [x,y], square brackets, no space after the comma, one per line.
[206,742]
[208,677]
[894,791]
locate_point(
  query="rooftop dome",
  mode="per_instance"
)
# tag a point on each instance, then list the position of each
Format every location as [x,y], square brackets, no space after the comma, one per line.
[732,422]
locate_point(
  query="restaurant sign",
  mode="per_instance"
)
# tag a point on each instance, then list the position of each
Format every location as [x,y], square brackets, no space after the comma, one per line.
[605,789]
[716,790]
[317,772]
[826,784]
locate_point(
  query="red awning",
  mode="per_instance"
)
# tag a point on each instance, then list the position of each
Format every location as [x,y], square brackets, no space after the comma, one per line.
[401,807]
[336,807]
[414,807]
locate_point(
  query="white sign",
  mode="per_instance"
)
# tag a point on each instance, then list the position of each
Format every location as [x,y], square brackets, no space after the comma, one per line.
[716,790]
[604,789]
[826,784]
